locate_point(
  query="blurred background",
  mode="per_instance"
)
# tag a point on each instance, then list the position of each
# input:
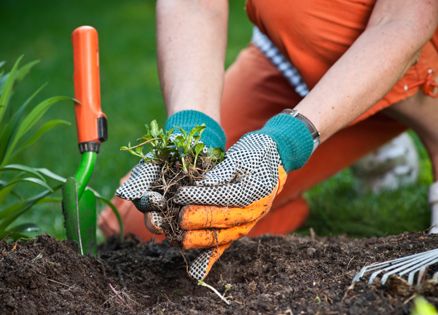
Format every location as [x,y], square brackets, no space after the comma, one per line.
[131,97]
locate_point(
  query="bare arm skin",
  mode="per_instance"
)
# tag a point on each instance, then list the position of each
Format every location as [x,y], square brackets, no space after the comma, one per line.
[372,65]
[191,50]
[191,36]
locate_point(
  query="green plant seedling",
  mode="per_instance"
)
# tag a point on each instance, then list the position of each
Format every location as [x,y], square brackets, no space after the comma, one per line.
[183,158]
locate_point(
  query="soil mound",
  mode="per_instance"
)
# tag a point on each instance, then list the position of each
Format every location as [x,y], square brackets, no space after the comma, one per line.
[269,275]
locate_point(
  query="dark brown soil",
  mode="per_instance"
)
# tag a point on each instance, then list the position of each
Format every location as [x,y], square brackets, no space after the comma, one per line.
[268,275]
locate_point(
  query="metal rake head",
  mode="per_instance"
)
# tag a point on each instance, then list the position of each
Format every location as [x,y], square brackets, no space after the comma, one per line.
[414,266]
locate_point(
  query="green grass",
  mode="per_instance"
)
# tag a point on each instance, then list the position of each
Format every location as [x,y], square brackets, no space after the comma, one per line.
[131,97]
[336,207]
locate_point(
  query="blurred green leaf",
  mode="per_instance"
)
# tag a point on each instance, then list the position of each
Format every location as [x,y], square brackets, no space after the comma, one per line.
[22,168]
[155,130]
[5,191]
[6,89]
[21,231]
[41,131]
[30,120]
[10,213]
[33,180]
[48,173]
[24,70]
[198,148]
[11,126]
[197,130]
[113,209]
[423,307]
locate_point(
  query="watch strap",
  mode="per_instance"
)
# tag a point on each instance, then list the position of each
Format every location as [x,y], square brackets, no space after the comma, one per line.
[313,131]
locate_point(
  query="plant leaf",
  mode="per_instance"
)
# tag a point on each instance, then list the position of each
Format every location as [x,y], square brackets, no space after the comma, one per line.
[113,209]
[423,307]
[50,200]
[16,75]
[22,229]
[198,148]
[5,191]
[197,130]
[41,131]
[182,132]
[6,91]
[33,180]
[48,173]
[24,70]
[155,130]
[30,120]
[11,126]
[10,213]
[22,168]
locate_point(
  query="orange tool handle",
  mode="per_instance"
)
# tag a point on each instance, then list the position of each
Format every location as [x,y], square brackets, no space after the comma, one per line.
[90,120]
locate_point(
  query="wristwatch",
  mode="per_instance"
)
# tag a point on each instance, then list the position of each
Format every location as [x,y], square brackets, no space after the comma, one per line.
[313,131]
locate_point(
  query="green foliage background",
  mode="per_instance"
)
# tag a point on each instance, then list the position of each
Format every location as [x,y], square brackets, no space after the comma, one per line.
[131,97]
[130,90]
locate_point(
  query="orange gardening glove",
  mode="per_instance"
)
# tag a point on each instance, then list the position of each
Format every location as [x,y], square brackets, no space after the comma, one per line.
[231,198]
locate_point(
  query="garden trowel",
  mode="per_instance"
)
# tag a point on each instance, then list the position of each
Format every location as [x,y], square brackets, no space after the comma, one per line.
[78,201]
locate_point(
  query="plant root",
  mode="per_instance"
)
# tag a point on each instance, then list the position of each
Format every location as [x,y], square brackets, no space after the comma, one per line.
[202,283]
[171,178]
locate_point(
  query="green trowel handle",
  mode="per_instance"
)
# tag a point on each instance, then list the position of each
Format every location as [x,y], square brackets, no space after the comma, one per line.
[84,171]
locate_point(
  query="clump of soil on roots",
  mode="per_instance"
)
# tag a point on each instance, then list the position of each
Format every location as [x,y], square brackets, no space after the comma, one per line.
[171,178]
[266,275]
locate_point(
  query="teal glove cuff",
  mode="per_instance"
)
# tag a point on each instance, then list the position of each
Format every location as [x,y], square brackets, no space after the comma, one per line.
[213,135]
[293,138]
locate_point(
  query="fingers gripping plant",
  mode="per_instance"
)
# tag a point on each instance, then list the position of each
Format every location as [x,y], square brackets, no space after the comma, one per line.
[183,158]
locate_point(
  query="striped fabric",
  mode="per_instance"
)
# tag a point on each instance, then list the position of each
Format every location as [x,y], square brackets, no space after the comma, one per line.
[262,42]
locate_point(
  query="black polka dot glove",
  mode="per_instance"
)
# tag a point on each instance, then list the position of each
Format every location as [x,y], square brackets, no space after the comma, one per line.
[229,201]
[238,192]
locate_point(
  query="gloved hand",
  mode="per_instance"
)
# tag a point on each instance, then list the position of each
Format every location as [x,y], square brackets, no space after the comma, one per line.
[238,192]
[144,174]
[234,195]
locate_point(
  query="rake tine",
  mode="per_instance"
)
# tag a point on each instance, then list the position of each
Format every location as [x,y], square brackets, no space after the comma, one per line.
[405,265]
[380,265]
[393,267]
[411,267]
[421,273]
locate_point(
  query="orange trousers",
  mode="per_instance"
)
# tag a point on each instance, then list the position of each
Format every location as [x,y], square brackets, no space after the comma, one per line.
[254,91]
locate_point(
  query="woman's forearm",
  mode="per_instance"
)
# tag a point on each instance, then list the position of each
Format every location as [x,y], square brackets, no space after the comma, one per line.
[191,38]
[365,73]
